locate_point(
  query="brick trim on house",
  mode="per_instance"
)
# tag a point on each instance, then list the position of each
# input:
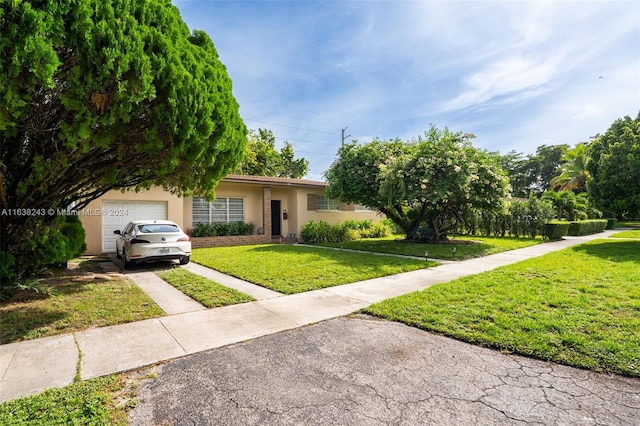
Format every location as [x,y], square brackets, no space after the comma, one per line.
[231,240]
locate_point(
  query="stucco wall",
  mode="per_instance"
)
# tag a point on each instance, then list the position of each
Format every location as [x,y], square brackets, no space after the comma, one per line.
[303,215]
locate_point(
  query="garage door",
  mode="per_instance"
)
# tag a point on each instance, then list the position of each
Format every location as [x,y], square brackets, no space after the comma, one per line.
[128,211]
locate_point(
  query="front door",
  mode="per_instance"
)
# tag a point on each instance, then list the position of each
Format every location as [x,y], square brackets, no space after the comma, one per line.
[276,213]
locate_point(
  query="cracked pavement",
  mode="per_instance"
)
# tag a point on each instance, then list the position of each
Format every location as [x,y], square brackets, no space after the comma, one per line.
[360,370]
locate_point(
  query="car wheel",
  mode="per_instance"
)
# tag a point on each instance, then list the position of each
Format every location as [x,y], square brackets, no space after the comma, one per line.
[127,264]
[184,260]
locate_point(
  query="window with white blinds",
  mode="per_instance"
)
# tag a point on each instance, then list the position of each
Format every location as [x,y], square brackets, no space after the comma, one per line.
[220,210]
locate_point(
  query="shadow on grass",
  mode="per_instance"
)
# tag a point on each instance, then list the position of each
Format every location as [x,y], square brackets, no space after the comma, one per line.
[23,322]
[614,251]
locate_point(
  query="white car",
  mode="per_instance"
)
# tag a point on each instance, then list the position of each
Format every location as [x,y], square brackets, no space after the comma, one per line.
[152,240]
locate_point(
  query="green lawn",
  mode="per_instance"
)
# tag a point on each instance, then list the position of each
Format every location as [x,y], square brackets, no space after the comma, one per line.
[90,402]
[628,223]
[634,233]
[203,290]
[294,269]
[469,247]
[579,306]
[79,298]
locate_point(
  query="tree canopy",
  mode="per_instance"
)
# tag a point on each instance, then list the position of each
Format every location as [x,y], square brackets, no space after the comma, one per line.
[102,94]
[614,165]
[532,174]
[261,158]
[573,173]
[424,186]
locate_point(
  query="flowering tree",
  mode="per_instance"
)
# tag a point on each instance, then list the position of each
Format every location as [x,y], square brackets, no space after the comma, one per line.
[424,185]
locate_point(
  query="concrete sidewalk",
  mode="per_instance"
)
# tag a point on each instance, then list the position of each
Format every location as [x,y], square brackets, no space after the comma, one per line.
[32,366]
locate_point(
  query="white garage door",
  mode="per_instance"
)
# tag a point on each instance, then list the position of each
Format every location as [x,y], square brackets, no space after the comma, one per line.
[124,212]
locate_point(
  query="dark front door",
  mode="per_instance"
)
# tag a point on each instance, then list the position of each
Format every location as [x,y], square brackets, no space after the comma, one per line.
[276,213]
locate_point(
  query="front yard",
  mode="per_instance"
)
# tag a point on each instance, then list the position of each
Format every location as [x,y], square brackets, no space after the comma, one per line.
[579,306]
[80,298]
[294,269]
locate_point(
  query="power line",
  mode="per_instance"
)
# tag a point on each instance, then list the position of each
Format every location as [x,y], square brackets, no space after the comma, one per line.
[290,127]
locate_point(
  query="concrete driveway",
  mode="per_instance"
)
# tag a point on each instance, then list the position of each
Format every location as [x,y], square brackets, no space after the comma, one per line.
[359,370]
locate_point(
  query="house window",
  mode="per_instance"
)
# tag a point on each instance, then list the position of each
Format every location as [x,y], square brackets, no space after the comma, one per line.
[362,208]
[325,203]
[220,210]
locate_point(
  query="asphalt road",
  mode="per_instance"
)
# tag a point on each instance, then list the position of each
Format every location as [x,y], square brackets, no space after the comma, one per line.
[359,370]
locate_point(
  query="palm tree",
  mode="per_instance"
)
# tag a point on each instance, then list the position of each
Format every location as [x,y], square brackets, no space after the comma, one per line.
[573,171]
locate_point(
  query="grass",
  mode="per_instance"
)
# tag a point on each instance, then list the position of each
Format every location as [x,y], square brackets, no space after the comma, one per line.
[579,307]
[467,248]
[79,298]
[91,402]
[294,269]
[203,290]
[628,224]
[634,233]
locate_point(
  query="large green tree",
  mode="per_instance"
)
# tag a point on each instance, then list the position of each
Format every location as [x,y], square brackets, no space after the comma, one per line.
[261,158]
[105,94]
[532,174]
[425,186]
[614,165]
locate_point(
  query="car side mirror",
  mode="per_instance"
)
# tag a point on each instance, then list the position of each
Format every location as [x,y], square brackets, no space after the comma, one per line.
[117,231]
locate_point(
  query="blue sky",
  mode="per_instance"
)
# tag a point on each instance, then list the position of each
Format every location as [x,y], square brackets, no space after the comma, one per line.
[517,74]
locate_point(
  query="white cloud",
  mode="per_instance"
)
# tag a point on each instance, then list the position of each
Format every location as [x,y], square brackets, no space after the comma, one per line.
[505,77]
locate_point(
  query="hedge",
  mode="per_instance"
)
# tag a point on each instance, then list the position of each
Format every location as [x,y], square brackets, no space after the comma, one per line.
[215,229]
[587,227]
[556,230]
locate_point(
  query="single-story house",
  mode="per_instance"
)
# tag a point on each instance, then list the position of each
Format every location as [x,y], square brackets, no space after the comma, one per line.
[277,207]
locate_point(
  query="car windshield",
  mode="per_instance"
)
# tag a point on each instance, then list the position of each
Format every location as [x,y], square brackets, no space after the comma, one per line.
[154,228]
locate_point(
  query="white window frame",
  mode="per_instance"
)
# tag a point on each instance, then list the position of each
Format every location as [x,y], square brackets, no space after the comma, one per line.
[220,210]
[362,208]
[327,205]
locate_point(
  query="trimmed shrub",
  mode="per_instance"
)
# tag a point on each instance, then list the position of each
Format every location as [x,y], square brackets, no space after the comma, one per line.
[216,229]
[586,227]
[555,230]
[611,223]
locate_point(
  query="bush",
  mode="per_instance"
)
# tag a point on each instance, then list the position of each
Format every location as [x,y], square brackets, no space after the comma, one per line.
[221,229]
[323,232]
[47,242]
[611,223]
[555,230]
[377,230]
[587,227]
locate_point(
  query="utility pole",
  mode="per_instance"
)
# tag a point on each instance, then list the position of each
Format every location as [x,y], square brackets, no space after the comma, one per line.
[343,136]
